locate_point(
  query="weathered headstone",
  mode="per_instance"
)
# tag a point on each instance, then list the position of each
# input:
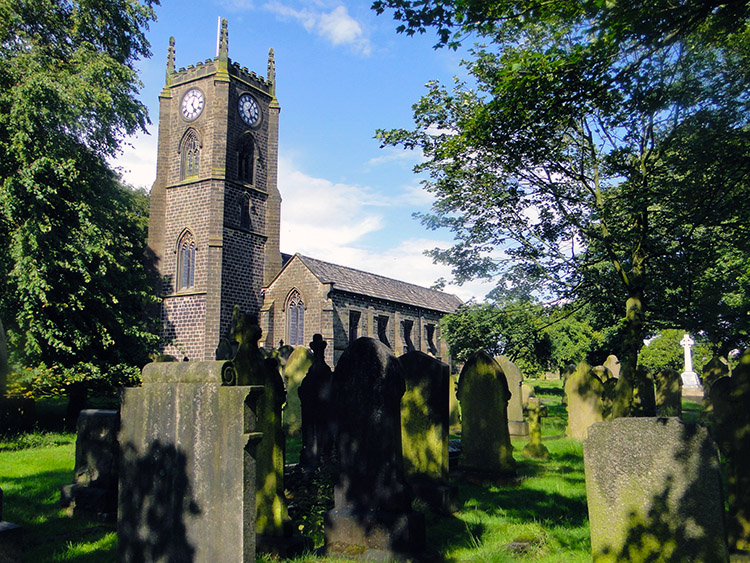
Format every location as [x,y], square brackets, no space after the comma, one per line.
[94,489]
[424,430]
[653,487]
[644,397]
[316,399]
[486,451]
[187,472]
[295,370]
[730,397]
[372,516]
[517,425]
[668,392]
[527,392]
[603,373]
[564,375]
[535,411]
[613,365]
[715,369]
[585,405]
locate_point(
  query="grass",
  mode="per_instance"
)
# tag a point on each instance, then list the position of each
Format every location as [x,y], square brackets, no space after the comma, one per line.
[542,517]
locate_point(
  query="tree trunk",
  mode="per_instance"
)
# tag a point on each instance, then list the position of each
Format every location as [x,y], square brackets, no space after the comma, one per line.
[623,404]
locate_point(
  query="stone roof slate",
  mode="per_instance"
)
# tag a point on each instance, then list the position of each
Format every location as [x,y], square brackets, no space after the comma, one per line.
[380,287]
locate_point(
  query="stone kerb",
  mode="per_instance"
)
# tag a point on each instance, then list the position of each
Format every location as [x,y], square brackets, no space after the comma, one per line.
[187,473]
[517,425]
[486,450]
[653,487]
[295,370]
[584,392]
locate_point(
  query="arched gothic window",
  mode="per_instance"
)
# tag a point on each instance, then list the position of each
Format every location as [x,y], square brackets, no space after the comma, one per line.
[190,150]
[185,261]
[295,320]
[246,160]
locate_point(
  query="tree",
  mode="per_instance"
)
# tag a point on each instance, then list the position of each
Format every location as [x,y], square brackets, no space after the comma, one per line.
[600,154]
[74,278]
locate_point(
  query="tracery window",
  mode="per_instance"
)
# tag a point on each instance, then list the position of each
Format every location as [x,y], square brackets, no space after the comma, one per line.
[190,150]
[295,319]
[185,261]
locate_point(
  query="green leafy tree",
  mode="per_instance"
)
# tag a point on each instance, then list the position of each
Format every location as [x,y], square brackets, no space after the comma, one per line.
[665,351]
[599,153]
[73,274]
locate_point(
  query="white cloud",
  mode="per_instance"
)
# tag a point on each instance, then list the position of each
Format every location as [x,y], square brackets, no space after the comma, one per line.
[337,26]
[137,163]
[393,154]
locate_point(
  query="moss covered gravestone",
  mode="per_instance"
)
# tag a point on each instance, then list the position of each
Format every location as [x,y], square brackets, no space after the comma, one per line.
[372,515]
[535,411]
[486,451]
[730,400]
[517,425]
[295,370]
[585,404]
[668,392]
[424,430]
[653,488]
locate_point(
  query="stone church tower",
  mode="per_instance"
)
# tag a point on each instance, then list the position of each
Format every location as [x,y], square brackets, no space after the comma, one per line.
[215,206]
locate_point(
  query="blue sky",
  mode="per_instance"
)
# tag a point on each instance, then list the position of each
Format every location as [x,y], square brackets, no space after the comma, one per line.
[342,72]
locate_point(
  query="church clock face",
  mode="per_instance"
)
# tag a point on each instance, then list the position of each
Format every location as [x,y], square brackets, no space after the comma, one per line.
[249,110]
[192,104]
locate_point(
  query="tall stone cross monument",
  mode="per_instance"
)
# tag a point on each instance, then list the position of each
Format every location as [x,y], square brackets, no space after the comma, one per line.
[689,377]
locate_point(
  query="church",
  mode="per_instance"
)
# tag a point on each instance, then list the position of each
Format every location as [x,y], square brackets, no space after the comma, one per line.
[214,227]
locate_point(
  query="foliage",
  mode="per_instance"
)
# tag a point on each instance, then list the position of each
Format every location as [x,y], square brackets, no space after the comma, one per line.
[665,351]
[74,281]
[599,153]
[53,381]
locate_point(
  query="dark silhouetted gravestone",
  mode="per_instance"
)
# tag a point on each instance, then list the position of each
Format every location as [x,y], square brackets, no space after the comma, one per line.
[535,411]
[486,451]
[424,430]
[653,487]
[730,401]
[316,398]
[295,369]
[585,404]
[517,426]
[715,369]
[187,472]
[668,392]
[93,492]
[644,395]
[372,515]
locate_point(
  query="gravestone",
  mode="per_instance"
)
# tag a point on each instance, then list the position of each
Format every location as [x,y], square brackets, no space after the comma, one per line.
[564,375]
[295,370]
[715,369]
[453,406]
[316,399]
[517,426]
[527,392]
[585,405]
[730,397]
[93,493]
[372,514]
[644,397]
[603,373]
[535,411]
[653,487]
[187,472]
[668,392]
[424,430]
[691,385]
[613,365]
[486,451]
[274,533]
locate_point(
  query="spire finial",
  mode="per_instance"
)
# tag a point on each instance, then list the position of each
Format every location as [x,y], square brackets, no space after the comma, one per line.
[170,57]
[271,75]
[223,40]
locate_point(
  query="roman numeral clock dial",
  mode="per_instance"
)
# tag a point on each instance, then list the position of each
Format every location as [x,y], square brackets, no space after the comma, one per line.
[192,104]
[249,110]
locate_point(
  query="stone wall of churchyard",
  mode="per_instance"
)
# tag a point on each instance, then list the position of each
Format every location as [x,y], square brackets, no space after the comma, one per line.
[314,295]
